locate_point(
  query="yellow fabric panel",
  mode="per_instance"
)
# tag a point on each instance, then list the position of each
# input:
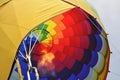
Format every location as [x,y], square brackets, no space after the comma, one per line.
[9,36]
[3,2]
[85,6]
[17,18]
[6,48]
[95,76]
[51,26]
[48,40]
[33,13]
[19,69]
[106,68]
[104,46]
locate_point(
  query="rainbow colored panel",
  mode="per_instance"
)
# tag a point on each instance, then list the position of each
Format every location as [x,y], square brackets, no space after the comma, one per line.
[70,46]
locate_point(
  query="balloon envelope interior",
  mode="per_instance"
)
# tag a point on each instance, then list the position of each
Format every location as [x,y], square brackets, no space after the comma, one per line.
[70,46]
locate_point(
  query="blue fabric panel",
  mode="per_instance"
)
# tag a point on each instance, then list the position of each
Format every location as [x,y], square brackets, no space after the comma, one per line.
[72,77]
[94,59]
[84,72]
[43,79]
[87,56]
[96,23]
[64,74]
[99,42]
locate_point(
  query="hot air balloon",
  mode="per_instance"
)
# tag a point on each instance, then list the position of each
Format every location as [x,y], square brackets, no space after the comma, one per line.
[52,40]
